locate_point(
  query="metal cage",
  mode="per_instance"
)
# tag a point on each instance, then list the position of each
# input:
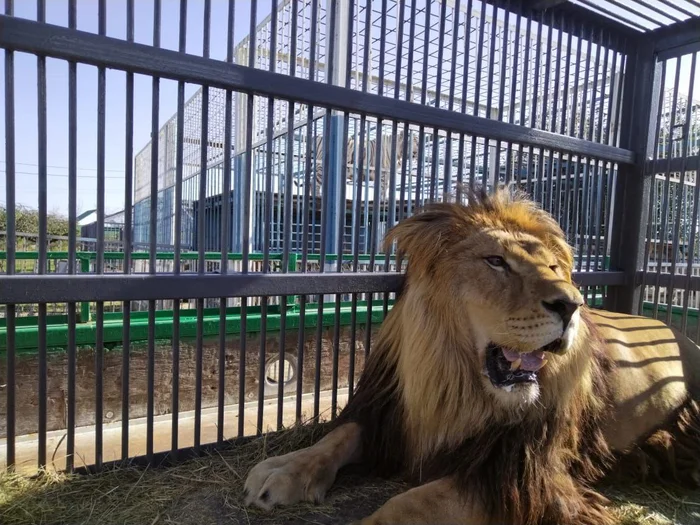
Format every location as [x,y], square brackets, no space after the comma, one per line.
[239,288]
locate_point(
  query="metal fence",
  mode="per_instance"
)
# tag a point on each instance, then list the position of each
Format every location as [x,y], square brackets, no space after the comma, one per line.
[294,154]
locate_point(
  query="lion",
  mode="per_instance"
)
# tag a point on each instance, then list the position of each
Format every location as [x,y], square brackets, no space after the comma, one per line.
[496,389]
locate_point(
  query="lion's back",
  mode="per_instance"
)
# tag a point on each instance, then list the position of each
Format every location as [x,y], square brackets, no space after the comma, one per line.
[656,370]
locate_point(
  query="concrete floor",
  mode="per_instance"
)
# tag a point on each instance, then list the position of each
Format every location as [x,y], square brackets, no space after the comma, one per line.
[26,447]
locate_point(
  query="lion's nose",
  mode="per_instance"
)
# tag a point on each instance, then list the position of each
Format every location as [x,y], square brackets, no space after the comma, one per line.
[564,307]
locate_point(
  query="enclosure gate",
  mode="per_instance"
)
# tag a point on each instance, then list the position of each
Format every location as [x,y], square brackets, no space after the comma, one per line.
[556,100]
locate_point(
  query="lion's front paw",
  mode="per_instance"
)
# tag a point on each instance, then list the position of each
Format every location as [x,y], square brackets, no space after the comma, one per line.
[298,476]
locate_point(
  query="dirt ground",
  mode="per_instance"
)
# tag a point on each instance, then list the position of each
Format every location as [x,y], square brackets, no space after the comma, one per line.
[207,491]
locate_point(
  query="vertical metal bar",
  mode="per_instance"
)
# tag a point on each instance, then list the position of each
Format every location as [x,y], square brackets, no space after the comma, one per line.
[594,88]
[567,77]
[382,49]
[72,228]
[358,180]
[589,190]
[225,231]
[307,195]
[599,199]
[152,237]
[99,263]
[586,77]
[201,262]
[584,212]
[342,218]
[268,215]
[680,193]
[538,184]
[492,59]
[479,58]
[438,97]
[548,67]
[128,235]
[607,219]
[246,182]
[287,228]
[567,168]
[576,210]
[694,221]
[42,176]
[555,203]
[501,96]
[603,81]
[10,383]
[465,52]
[378,166]
[557,72]
[611,106]
[356,245]
[447,180]
[624,63]
[330,204]
[526,73]
[339,268]
[514,76]
[10,244]
[523,106]
[489,100]
[577,74]
[667,188]
[179,161]
[535,89]
[513,88]
[409,96]
[423,101]
[453,62]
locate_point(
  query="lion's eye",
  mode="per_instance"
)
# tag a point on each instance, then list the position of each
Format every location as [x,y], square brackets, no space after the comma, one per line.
[554,268]
[496,261]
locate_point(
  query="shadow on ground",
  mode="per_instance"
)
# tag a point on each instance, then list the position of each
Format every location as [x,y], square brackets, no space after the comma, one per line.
[207,490]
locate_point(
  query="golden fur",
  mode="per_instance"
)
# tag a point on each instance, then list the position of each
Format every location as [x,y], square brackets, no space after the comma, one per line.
[617,388]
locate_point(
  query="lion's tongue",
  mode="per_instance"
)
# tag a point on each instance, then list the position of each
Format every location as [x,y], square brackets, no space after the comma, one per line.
[531,361]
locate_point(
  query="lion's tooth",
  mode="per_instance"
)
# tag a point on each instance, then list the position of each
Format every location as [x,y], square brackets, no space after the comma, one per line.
[516,364]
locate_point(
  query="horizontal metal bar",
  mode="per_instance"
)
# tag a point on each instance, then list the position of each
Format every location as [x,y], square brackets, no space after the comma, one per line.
[677,164]
[665,280]
[119,287]
[18,289]
[677,39]
[58,42]
[599,278]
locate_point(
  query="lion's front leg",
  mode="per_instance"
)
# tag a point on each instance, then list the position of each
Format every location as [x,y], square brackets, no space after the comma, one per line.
[435,503]
[304,475]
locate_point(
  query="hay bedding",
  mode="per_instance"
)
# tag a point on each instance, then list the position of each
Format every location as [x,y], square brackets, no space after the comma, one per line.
[208,490]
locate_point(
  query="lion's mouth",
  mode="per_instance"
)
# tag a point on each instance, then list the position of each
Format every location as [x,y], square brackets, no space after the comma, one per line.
[506,368]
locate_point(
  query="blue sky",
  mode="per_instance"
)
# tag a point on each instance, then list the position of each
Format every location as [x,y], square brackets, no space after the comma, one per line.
[57,97]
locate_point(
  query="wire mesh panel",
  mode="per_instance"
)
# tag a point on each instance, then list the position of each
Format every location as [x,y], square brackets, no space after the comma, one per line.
[263,155]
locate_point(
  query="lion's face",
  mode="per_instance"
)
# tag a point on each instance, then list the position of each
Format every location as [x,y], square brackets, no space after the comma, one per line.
[500,271]
[520,306]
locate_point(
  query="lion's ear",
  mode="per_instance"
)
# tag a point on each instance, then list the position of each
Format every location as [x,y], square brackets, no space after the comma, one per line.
[425,234]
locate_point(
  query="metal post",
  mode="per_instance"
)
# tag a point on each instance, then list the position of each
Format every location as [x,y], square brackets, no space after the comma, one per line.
[642,85]
[237,222]
[336,172]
